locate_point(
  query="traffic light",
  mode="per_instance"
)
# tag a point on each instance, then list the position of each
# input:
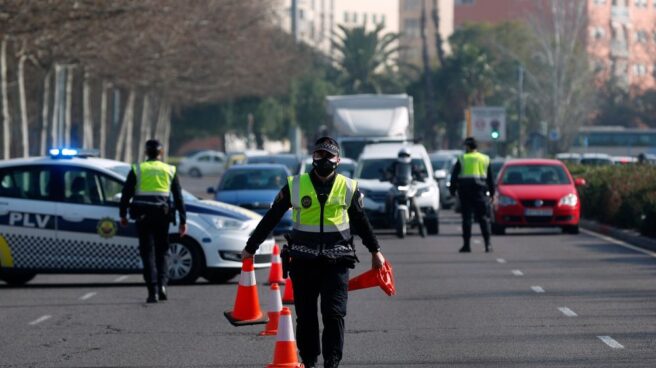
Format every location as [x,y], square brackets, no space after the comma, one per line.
[494,133]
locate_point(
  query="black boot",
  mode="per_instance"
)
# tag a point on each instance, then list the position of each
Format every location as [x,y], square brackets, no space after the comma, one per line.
[331,364]
[162,293]
[152,294]
[309,365]
[465,248]
[488,248]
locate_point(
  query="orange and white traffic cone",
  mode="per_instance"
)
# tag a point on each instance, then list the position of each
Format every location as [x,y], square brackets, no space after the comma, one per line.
[275,306]
[275,273]
[247,305]
[288,297]
[285,354]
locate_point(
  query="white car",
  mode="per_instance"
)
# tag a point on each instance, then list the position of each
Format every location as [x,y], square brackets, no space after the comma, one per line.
[203,163]
[374,160]
[60,214]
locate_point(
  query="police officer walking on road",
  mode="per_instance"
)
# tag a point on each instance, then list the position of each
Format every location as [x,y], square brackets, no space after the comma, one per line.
[472,178]
[149,185]
[326,206]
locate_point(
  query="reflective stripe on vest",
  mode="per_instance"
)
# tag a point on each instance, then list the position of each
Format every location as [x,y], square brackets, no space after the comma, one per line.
[306,209]
[473,165]
[153,178]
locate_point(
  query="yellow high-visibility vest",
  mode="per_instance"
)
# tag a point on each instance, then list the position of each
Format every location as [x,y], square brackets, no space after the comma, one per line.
[153,178]
[473,165]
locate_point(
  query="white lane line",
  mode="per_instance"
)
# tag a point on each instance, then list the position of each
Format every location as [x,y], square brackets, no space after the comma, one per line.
[501,260]
[537,289]
[619,242]
[610,342]
[88,295]
[40,319]
[517,273]
[568,312]
[476,241]
[121,278]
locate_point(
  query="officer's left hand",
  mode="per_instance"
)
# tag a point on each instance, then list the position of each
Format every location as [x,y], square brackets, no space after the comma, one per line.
[124,221]
[377,260]
[182,229]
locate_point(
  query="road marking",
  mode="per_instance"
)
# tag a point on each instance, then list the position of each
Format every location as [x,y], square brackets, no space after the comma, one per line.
[568,312]
[476,241]
[121,278]
[619,242]
[40,319]
[517,273]
[501,260]
[537,289]
[88,295]
[610,342]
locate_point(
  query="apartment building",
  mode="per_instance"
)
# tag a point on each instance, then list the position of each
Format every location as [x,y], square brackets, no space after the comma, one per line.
[410,25]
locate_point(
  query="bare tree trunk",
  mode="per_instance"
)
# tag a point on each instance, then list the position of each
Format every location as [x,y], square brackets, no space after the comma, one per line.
[439,44]
[428,81]
[162,129]
[25,139]
[6,118]
[126,128]
[103,119]
[129,137]
[159,127]
[69,105]
[167,131]
[56,106]
[87,138]
[145,125]
[44,112]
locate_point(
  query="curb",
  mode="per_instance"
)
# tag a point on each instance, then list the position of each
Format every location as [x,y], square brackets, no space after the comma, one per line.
[630,236]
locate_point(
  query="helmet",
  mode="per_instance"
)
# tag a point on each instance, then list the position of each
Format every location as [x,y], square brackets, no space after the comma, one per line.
[404,153]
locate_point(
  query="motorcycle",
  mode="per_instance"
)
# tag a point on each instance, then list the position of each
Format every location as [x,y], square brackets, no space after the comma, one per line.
[404,209]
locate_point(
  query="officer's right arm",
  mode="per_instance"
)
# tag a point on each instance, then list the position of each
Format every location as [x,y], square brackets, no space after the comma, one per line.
[455,173]
[127,193]
[281,204]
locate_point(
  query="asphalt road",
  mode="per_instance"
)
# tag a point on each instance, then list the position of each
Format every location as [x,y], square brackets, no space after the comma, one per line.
[542,299]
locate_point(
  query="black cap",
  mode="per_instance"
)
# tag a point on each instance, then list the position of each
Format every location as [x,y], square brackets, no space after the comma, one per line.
[327,144]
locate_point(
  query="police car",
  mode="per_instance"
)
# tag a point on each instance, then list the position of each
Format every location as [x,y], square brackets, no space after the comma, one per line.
[59,214]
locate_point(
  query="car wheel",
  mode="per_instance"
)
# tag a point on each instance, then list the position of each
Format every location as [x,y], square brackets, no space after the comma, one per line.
[401,225]
[498,229]
[195,173]
[221,276]
[433,225]
[572,229]
[17,278]
[186,260]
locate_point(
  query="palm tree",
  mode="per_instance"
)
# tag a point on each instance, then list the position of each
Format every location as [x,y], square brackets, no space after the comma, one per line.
[366,59]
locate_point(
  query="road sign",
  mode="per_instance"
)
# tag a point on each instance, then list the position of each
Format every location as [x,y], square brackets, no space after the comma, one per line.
[554,135]
[488,124]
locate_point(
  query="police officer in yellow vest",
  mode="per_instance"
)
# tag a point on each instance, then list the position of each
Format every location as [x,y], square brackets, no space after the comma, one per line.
[326,207]
[149,185]
[472,179]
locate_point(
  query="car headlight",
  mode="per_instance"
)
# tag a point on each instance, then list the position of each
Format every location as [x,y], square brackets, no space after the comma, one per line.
[226,223]
[569,200]
[506,201]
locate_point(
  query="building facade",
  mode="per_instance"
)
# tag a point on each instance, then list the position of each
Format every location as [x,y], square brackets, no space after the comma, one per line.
[410,26]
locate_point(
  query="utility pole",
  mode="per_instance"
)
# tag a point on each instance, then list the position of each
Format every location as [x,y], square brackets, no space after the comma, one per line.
[520,126]
[294,130]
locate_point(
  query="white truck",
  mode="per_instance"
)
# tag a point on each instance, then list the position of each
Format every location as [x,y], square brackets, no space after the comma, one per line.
[358,120]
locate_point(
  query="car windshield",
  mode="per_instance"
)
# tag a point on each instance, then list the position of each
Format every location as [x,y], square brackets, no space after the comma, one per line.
[291,162]
[441,163]
[375,168]
[253,179]
[124,170]
[535,175]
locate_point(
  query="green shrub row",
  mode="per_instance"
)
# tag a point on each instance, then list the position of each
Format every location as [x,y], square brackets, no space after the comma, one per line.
[621,196]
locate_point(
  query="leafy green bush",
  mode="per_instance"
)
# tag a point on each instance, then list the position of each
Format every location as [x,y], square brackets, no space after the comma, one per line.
[621,196]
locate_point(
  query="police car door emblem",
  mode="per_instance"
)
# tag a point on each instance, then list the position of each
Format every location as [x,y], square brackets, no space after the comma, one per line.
[107,227]
[306,202]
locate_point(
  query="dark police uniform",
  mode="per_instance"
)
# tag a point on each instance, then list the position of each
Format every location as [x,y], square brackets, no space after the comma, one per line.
[472,178]
[321,255]
[149,185]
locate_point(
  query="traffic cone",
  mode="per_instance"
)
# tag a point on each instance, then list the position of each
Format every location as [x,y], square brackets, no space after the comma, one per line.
[247,305]
[275,273]
[275,306]
[288,297]
[383,277]
[285,354]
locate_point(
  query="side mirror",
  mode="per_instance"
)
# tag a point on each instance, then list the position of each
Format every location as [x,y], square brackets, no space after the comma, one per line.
[440,174]
[579,182]
[211,190]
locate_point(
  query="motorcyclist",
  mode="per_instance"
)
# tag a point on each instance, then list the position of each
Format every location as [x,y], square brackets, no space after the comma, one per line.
[400,173]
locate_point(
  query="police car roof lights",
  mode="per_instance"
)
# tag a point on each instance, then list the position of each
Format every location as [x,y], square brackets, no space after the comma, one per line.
[71,152]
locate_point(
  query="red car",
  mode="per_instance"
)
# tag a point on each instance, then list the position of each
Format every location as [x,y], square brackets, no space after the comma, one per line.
[536,193]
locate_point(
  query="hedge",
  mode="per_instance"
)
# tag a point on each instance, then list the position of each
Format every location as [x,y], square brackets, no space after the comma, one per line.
[621,196]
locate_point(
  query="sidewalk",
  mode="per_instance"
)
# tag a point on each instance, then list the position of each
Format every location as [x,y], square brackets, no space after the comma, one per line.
[630,236]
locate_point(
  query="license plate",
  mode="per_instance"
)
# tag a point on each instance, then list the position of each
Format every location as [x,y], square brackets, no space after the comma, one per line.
[539,212]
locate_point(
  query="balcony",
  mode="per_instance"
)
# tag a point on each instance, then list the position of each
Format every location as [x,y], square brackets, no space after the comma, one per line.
[620,14]
[619,49]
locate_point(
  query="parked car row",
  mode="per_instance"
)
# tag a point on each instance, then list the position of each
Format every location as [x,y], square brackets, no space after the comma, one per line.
[597,159]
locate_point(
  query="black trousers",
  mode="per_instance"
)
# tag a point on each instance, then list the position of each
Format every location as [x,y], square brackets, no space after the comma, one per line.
[474,202]
[330,281]
[154,249]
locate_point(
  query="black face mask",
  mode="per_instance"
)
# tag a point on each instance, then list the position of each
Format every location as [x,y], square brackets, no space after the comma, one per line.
[324,167]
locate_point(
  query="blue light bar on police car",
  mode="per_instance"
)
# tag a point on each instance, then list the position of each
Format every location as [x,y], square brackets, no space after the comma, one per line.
[71,152]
